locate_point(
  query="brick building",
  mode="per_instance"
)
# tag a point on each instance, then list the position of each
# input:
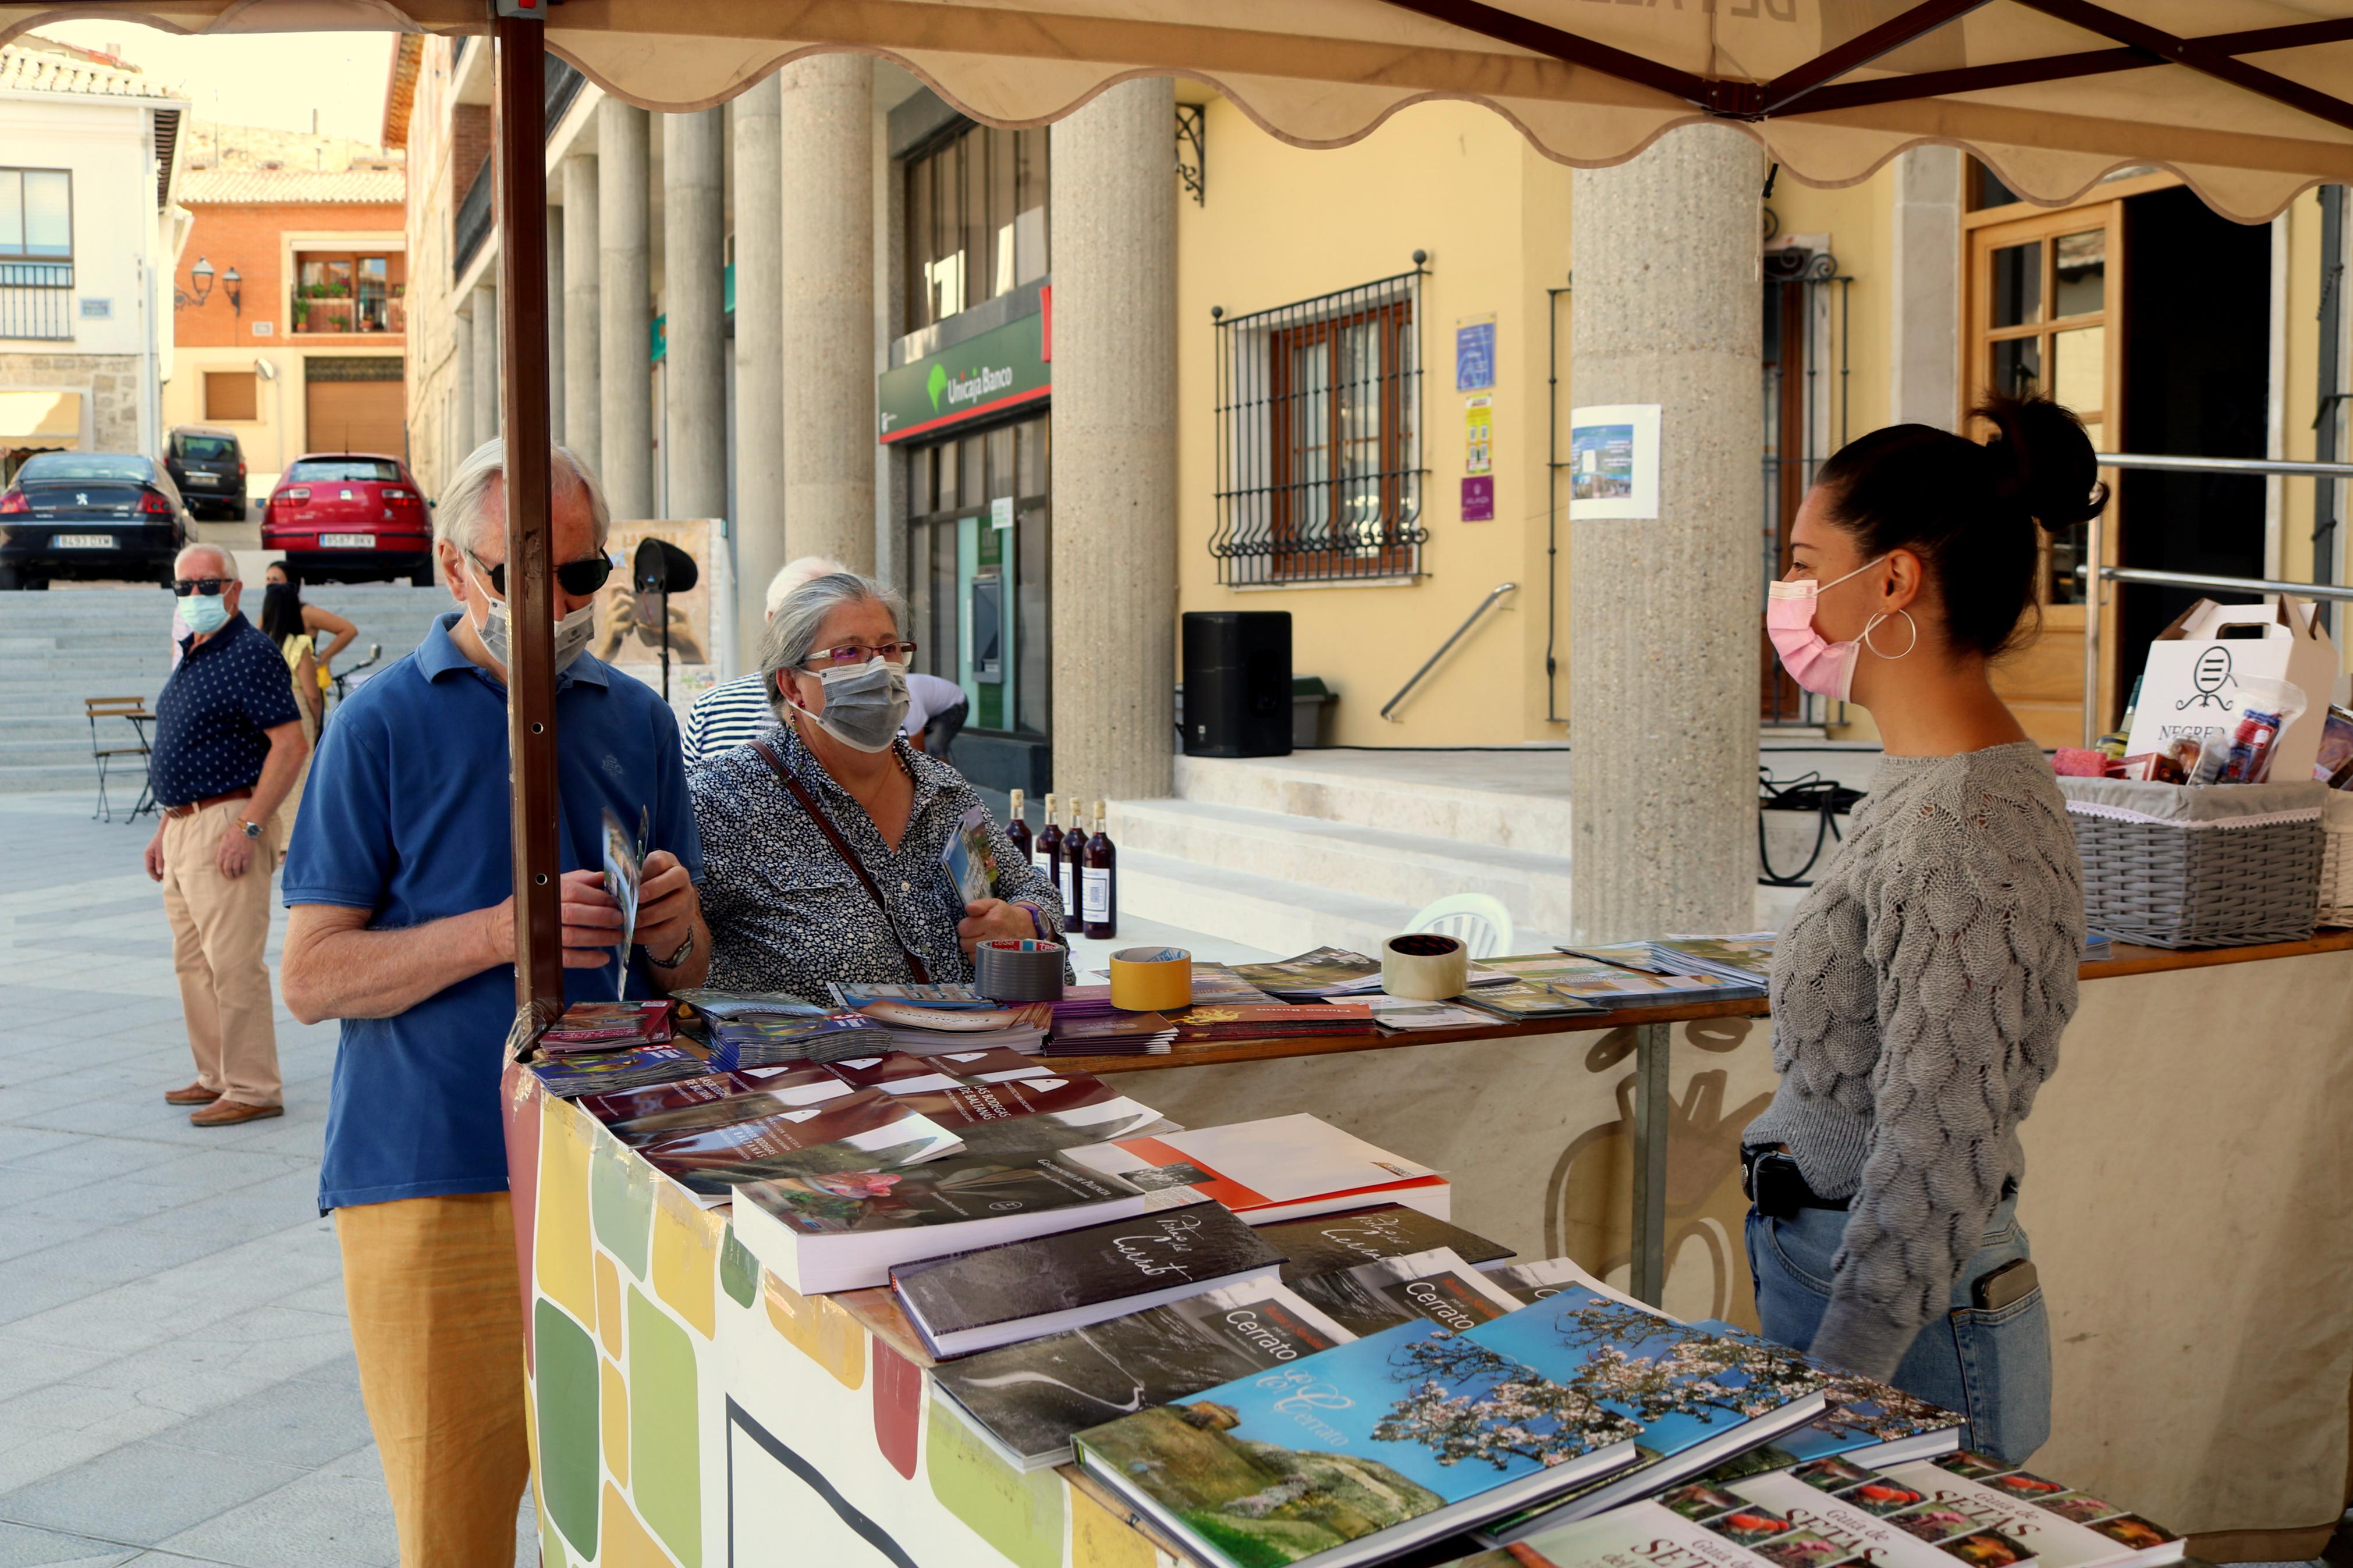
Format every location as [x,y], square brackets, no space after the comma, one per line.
[288,304]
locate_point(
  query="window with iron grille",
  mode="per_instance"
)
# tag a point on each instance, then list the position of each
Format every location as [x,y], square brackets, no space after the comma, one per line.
[1319,438]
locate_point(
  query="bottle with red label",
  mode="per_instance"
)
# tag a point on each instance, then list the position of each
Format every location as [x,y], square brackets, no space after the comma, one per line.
[1099,884]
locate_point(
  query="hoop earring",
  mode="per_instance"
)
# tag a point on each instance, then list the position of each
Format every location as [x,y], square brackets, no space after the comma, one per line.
[1873,624]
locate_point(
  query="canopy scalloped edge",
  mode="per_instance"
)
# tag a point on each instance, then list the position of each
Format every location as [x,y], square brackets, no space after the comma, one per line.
[1573,116]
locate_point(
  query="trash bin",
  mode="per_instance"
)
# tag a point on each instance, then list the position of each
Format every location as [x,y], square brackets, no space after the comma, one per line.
[1309,698]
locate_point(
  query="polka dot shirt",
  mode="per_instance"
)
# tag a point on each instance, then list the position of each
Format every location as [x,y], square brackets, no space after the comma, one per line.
[213,721]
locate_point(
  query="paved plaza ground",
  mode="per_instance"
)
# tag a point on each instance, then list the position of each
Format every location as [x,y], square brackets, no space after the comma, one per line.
[176,1383]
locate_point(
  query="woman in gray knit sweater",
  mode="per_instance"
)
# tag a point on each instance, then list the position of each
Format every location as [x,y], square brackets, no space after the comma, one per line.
[1919,995]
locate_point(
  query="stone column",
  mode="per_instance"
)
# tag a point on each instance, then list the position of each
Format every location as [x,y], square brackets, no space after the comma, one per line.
[461,386]
[827,109]
[759,521]
[1114,462]
[488,409]
[1663,614]
[555,259]
[625,322]
[582,306]
[694,260]
[1923,339]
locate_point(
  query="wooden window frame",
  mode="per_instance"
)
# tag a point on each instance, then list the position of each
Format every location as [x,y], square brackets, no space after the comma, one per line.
[1393,441]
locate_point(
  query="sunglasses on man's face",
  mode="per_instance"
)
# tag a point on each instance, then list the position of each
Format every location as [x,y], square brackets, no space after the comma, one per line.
[578,578]
[210,587]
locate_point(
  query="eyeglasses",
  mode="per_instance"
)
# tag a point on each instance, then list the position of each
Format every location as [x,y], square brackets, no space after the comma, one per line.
[578,578]
[210,587]
[850,653]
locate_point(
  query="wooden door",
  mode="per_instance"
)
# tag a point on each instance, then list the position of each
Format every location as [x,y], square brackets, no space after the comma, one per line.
[2044,313]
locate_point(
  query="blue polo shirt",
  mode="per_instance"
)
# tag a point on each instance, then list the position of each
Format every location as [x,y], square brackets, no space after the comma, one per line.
[213,718]
[406,816]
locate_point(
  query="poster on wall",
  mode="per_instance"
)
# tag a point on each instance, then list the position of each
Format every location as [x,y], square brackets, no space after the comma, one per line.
[1613,461]
[1479,434]
[629,626]
[1474,353]
[1478,498]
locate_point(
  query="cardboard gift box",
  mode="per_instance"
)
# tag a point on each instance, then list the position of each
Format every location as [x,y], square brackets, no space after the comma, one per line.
[2197,668]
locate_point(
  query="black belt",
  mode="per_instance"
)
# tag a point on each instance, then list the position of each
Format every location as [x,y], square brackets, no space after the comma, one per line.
[1770,1179]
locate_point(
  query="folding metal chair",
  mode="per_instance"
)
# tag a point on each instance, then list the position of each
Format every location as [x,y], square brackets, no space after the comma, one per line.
[133,710]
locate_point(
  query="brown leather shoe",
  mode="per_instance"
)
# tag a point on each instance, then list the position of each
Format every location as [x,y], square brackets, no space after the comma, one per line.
[194,1094]
[229,1112]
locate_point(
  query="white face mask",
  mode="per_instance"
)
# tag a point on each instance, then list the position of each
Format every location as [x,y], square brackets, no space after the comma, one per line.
[571,633]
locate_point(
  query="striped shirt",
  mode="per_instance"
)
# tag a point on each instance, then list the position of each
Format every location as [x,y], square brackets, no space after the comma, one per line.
[725,717]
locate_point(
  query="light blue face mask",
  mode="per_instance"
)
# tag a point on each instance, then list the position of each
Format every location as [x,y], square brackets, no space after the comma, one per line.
[203,613]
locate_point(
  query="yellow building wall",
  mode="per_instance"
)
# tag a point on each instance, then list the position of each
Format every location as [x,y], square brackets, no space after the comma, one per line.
[1283,224]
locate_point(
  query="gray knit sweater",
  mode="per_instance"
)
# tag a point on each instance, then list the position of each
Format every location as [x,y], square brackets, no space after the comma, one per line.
[1918,997]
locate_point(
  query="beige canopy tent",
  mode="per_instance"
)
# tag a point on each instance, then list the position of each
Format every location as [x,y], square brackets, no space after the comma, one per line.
[2245,100]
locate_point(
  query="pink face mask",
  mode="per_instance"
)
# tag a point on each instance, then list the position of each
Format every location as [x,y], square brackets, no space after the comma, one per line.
[1819,666]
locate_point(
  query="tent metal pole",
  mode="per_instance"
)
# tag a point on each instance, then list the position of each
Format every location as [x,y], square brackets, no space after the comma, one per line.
[1646,1274]
[520,161]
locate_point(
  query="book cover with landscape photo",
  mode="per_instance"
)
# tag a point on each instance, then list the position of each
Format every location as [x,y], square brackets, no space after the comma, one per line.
[1359,1452]
[863,1130]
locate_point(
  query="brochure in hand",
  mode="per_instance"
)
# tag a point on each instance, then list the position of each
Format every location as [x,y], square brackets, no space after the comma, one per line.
[1358,1453]
[624,860]
[1028,1399]
[968,858]
[980,1300]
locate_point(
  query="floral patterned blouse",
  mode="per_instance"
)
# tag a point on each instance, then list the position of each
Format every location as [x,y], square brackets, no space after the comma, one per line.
[786,915]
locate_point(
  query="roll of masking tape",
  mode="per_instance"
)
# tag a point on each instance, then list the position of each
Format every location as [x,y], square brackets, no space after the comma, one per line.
[1022,970]
[1424,966]
[1151,979]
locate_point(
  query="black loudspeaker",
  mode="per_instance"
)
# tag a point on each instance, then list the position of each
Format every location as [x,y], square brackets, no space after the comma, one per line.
[1237,683]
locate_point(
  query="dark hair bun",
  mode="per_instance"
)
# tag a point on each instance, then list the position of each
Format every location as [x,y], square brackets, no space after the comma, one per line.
[2043,460]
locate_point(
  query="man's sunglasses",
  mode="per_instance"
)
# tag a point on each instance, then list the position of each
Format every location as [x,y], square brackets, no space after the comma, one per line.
[578,578]
[210,587]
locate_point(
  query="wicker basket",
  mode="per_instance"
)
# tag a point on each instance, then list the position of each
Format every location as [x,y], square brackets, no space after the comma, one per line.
[2226,866]
[2337,861]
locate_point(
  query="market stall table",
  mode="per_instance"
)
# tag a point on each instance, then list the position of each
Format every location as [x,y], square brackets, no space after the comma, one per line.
[2188,1197]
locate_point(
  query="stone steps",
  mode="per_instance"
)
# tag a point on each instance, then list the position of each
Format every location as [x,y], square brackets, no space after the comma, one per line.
[1516,800]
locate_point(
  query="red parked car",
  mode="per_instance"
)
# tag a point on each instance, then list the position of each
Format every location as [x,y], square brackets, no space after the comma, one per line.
[350,517]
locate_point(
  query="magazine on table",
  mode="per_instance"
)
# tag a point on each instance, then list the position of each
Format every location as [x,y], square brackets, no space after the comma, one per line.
[793,1091]
[863,1130]
[600,1073]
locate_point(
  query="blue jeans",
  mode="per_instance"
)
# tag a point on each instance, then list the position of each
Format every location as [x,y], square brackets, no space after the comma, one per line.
[1994,1367]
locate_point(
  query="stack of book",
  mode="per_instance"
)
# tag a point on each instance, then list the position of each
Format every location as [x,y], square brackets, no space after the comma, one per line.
[1210,1022]
[1087,1025]
[767,1030]
[922,1019]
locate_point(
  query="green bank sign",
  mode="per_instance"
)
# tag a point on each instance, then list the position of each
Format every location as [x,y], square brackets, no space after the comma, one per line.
[1001,369]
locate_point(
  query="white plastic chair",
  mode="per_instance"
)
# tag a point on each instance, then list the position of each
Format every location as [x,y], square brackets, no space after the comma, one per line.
[1479,920]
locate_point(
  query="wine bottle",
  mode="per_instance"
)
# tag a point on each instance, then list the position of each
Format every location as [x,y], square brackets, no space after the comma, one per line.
[1045,854]
[1073,856]
[1100,890]
[1017,828]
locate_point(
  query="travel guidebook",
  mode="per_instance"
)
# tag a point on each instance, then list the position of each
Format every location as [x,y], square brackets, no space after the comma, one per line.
[847,1230]
[792,1092]
[1359,1453]
[2063,1527]
[1436,1284]
[1329,1244]
[1699,1397]
[1285,1167]
[1027,1400]
[979,1300]
[1856,1514]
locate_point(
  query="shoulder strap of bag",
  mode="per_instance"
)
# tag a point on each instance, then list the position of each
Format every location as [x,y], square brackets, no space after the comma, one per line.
[809,804]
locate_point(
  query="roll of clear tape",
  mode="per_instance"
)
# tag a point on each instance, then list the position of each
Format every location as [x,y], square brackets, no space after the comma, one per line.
[1423,966]
[1023,971]
[1151,979]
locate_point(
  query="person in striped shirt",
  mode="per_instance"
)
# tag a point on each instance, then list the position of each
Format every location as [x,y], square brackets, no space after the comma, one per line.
[732,711]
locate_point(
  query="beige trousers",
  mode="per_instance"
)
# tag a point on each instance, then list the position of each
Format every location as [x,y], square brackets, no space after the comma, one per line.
[437,1319]
[219,927]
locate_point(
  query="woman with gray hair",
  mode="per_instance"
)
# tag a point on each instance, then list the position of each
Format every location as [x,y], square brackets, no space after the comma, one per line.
[822,837]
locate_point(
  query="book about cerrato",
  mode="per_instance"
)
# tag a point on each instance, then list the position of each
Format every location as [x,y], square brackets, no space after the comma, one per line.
[1437,1285]
[845,1230]
[1333,1243]
[1360,1453]
[1701,1398]
[1286,1167]
[978,1301]
[1025,1400]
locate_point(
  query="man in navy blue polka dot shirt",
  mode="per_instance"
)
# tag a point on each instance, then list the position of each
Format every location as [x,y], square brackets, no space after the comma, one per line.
[228,745]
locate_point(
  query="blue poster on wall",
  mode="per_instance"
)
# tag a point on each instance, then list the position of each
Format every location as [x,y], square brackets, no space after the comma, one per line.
[1475,353]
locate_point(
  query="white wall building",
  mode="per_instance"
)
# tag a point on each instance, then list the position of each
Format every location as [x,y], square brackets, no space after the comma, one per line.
[89,233]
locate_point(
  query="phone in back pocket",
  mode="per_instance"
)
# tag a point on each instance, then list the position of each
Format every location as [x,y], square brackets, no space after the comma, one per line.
[1998,1288]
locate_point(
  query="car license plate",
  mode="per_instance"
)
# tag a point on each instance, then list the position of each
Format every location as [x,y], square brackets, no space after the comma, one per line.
[203,478]
[348,541]
[84,541]
[346,496]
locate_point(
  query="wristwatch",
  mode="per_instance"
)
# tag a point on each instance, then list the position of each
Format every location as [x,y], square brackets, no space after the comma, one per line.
[685,950]
[252,829]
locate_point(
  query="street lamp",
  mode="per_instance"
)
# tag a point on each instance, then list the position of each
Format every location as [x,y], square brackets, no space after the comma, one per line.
[233,283]
[201,274]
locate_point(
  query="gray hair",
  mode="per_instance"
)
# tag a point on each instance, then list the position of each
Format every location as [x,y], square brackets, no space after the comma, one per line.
[465,503]
[220,553]
[791,634]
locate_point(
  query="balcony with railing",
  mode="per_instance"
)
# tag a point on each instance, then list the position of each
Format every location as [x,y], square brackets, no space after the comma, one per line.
[37,300]
[476,211]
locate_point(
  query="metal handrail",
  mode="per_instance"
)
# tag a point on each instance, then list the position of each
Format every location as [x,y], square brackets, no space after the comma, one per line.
[1429,664]
[2252,467]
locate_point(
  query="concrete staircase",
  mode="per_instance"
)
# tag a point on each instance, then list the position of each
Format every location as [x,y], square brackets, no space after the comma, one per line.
[59,646]
[1288,853]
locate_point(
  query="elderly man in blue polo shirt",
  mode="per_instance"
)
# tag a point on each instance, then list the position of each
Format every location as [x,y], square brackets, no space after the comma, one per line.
[404,927]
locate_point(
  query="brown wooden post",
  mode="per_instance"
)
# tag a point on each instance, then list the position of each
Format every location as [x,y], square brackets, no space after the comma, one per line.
[519,118]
